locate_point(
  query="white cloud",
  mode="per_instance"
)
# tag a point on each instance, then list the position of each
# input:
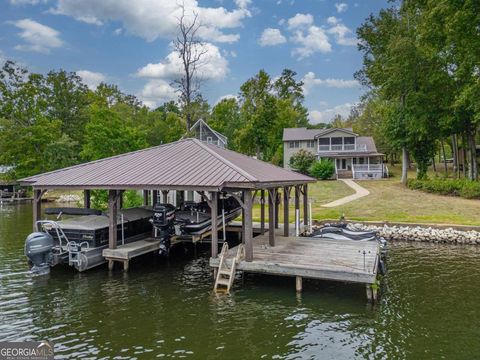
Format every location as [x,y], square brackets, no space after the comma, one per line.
[91,78]
[37,37]
[309,81]
[151,19]
[341,7]
[343,35]
[271,37]
[299,21]
[213,66]
[158,89]
[317,116]
[310,41]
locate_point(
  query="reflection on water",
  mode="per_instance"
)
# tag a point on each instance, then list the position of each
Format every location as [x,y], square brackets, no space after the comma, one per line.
[429,308]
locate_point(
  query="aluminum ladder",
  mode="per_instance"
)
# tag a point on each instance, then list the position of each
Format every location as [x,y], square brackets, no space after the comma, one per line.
[225,273]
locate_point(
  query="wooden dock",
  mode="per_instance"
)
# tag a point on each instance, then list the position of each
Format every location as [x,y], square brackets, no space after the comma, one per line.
[301,257]
[124,253]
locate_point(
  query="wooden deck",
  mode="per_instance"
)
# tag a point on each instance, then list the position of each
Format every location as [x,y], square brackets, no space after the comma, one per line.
[312,258]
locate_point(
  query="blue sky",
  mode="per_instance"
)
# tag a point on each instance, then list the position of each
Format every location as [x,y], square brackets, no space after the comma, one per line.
[127,43]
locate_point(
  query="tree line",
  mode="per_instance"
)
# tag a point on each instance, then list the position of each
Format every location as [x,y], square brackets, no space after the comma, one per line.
[50,121]
[421,66]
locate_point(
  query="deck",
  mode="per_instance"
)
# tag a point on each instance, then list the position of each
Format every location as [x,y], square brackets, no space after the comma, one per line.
[312,258]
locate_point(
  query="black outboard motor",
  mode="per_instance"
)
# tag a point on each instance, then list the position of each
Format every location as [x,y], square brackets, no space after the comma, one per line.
[38,249]
[163,215]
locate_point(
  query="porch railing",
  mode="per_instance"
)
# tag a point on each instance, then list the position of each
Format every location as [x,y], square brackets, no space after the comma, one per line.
[340,147]
[368,168]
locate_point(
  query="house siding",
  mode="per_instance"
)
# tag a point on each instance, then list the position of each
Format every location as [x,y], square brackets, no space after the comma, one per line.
[288,152]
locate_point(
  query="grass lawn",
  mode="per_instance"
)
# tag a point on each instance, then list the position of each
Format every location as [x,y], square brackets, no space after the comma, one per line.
[389,201]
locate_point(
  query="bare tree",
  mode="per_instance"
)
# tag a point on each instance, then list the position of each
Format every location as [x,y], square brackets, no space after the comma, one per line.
[190,50]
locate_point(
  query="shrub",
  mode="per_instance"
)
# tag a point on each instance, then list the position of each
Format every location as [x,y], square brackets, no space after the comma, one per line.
[302,160]
[454,187]
[323,169]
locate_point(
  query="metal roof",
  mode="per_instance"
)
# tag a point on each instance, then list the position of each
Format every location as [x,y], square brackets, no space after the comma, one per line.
[293,134]
[186,164]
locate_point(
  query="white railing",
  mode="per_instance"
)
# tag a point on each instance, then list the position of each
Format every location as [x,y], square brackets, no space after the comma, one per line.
[368,168]
[340,147]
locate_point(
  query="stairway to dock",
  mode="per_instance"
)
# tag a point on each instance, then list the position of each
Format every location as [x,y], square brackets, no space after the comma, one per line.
[225,272]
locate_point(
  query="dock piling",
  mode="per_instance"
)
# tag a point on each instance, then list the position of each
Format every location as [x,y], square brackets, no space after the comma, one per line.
[298,284]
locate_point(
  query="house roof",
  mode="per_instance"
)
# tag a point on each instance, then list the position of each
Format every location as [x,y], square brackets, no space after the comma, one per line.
[201,122]
[187,164]
[293,134]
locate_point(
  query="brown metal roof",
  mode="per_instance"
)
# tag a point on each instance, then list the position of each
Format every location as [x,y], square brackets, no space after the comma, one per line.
[184,164]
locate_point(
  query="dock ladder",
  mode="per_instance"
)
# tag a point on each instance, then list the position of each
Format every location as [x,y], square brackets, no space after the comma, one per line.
[226,274]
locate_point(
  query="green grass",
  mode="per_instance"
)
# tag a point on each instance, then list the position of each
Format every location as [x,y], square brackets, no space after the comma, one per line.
[389,201]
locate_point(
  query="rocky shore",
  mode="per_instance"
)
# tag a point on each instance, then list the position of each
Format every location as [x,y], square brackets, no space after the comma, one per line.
[422,234]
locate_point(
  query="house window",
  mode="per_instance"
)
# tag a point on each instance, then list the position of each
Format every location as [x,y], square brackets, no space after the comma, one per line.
[294,144]
[209,140]
[349,143]
[336,141]
[323,144]
[310,143]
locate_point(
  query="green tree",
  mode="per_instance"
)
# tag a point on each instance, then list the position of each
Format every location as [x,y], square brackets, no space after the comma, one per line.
[225,118]
[302,160]
[322,169]
[107,135]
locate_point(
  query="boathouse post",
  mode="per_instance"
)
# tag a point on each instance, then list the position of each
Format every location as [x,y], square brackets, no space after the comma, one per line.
[248,229]
[286,223]
[86,199]
[305,205]
[214,212]
[154,197]
[37,206]
[277,206]
[165,196]
[297,206]
[262,211]
[112,219]
[272,195]
[146,195]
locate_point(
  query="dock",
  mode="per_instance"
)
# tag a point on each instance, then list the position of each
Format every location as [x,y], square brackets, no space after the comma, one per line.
[303,257]
[124,253]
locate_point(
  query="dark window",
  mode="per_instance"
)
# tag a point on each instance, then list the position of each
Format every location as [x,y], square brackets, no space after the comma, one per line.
[294,144]
[349,140]
[336,141]
[324,141]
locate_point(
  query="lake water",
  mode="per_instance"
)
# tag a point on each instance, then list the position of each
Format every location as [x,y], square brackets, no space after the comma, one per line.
[429,309]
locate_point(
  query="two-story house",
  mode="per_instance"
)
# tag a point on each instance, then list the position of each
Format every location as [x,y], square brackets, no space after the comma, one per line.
[354,156]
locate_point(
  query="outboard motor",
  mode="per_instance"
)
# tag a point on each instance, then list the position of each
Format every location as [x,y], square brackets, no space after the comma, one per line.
[163,215]
[38,249]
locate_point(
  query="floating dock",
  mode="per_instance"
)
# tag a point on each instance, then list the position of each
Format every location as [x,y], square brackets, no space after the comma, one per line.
[303,257]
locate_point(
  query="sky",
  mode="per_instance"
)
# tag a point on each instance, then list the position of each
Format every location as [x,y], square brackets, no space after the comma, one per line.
[129,43]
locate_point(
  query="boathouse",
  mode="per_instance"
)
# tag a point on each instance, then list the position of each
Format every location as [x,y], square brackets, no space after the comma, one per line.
[192,165]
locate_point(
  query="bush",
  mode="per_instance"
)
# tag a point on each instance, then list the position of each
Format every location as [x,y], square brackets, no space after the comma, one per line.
[323,169]
[302,160]
[454,187]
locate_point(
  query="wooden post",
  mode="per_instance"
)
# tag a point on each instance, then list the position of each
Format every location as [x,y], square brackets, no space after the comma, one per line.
[262,212]
[146,195]
[112,218]
[277,205]
[154,197]
[165,196]
[214,212]
[271,216]
[119,200]
[297,204]
[37,207]
[247,201]
[86,199]
[369,293]
[298,284]
[286,223]
[305,205]
[243,220]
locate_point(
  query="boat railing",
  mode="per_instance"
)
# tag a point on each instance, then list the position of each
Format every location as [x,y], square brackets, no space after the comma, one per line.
[46,225]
